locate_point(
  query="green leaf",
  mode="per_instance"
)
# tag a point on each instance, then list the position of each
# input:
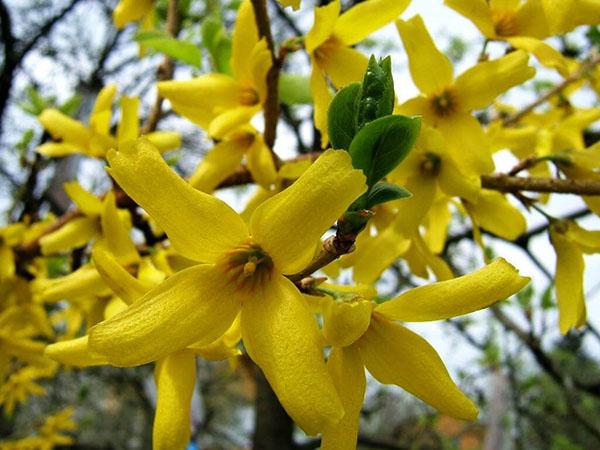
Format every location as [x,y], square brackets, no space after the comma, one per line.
[71,106]
[218,43]
[376,97]
[341,121]
[161,42]
[382,144]
[294,89]
[384,192]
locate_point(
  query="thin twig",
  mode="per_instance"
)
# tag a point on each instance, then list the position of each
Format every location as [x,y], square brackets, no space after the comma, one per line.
[165,70]
[583,70]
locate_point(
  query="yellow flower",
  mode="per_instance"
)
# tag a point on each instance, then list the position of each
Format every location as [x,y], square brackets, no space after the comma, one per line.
[447,103]
[131,11]
[570,242]
[242,272]
[363,334]
[225,157]
[95,140]
[100,218]
[221,103]
[329,44]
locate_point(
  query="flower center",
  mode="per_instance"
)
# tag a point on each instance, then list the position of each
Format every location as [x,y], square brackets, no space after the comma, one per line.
[431,164]
[248,96]
[505,22]
[247,266]
[444,104]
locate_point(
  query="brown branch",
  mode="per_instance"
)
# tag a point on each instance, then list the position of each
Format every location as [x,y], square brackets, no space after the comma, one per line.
[507,183]
[166,69]
[271,106]
[575,76]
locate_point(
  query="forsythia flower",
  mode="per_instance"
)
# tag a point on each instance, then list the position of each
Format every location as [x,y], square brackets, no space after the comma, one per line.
[220,103]
[225,157]
[365,334]
[447,103]
[94,140]
[329,44]
[241,272]
[570,242]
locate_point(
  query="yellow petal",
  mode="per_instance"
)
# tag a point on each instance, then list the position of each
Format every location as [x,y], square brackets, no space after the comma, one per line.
[223,348]
[456,184]
[430,69]
[199,226]
[58,149]
[348,373]
[438,266]
[282,337]
[346,321]
[312,204]
[121,282]
[130,11]
[88,203]
[75,233]
[569,282]
[467,143]
[261,62]
[84,281]
[478,12]
[495,213]
[259,161]
[588,241]
[221,161]
[343,65]
[395,355]
[443,300]
[175,377]
[200,99]
[245,37]
[412,211]
[128,128]
[102,110]
[546,55]
[321,98]
[165,140]
[364,18]
[115,233]
[438,220]
[7,262]
[377,254]
[61,126]
[74,352]
[322,29]
[194,305]
[231,119]
[480,85]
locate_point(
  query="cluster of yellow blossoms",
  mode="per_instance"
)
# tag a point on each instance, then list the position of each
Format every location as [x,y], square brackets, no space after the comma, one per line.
[228,282]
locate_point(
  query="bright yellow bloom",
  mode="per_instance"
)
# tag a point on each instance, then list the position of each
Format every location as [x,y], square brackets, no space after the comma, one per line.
[524,24]
[242,272]
[570,242]
[364,334]
[100,218]
[221,103]
[329,44]
[131,11]
[95,139]
[225,157]
[10,236]
[446,102]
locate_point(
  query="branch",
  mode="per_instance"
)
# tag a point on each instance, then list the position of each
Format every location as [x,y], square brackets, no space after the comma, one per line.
[271,106]
[583,70]
[10,57]
[165,70]
[506,183]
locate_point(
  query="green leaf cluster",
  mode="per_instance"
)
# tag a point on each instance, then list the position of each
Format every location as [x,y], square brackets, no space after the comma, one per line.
[361,121]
